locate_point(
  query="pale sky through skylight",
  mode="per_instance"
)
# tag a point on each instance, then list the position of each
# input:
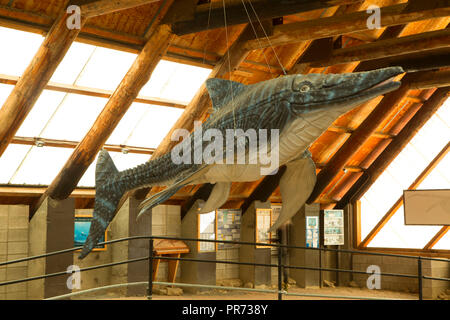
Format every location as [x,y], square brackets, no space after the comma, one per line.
[61,116]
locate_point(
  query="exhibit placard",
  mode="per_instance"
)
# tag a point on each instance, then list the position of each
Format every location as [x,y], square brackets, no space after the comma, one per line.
[263,223]
[312,231]
[333,227]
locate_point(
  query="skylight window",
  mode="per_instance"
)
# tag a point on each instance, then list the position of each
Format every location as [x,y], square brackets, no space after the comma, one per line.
[401,173]
[175,81]
[21,48]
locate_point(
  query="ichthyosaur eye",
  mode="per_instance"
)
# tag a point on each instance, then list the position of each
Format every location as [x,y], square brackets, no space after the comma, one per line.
[301,85]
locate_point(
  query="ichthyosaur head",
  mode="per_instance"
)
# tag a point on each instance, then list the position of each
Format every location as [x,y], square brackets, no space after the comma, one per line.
[340,92]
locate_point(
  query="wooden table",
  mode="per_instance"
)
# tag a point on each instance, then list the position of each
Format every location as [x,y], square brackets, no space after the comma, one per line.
[168,248]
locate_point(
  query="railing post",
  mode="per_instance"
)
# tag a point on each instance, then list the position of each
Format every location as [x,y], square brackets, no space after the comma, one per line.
[150,270]
[420,277]
[280,275]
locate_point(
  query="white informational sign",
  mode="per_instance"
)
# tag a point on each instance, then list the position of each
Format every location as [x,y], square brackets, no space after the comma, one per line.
[312,232]
[207,230]
[333,227]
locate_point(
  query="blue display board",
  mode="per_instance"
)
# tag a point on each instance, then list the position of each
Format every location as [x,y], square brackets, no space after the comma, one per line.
[81,231]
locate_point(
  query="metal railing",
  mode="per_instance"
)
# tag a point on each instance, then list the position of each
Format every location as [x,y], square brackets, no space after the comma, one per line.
[280,267]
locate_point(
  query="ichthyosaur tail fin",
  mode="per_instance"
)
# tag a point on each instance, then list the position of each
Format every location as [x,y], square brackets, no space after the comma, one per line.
[107,198]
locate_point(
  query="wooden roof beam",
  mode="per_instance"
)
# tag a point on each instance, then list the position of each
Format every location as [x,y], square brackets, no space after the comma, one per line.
[349,23]
[386,48]
[35,78]
[395,147]
[204,18]
[101,7]
[438,236]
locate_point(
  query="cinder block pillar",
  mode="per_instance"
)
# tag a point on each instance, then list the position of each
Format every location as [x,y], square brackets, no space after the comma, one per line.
[13,245]
[51,229]
[195,272]
[248,253]
[138,271]
[299,257]
[345,259]
[125,225]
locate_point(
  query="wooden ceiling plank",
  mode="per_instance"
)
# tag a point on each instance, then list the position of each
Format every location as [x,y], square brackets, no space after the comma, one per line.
[348,23]
[101,7]
[35,78]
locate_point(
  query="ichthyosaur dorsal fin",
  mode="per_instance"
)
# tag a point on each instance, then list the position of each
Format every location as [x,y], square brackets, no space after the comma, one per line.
[221,91]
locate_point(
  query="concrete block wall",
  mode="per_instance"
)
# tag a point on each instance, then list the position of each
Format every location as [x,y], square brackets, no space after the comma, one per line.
[224,270]
[431,288]
[13,245]
[166,221]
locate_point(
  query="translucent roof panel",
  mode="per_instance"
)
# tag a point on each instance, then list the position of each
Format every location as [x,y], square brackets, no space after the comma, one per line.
[153,126]
[11,160]
[72,66]
[175,81]
[17,55]
[106,69]
[400,174]
[74,117]
[41,166]
[5,90]
[122,162]
[39,116]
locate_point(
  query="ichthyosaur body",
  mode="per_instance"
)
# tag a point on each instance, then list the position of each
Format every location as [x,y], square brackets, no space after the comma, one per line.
[290,111]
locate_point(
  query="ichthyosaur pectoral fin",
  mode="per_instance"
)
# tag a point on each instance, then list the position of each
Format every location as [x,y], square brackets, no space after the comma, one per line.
[107,198]
[164,195]
[219,195]
[296,185]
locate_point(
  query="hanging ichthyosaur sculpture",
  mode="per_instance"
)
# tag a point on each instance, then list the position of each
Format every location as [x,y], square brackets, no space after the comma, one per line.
[293,110]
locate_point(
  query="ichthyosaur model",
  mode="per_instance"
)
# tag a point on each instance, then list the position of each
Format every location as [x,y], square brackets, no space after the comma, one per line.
[293,110]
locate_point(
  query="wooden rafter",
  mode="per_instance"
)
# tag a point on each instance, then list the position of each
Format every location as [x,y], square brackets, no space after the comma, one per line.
[386,48]
[438,236]
[397,144]
[348,23]
[94,92]
[35,78]
[127,91]
[399,202]
[207,17]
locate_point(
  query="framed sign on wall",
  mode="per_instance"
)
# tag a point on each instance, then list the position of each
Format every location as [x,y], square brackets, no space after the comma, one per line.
[81,231]
[263,223]
[207,229]
[333,227]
